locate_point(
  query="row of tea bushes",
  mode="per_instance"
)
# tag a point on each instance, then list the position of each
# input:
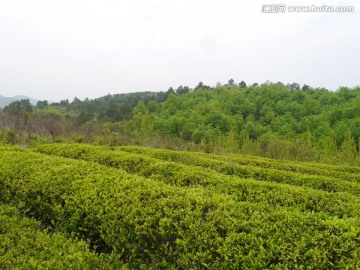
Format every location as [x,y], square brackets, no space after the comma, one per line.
[150,224]
[24,245]
[196,158]
[306,199]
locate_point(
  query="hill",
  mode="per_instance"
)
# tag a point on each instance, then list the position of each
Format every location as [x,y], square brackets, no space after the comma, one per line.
[271,120]
[4,101]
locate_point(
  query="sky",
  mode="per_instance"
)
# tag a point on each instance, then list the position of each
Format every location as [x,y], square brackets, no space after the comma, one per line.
[89,48]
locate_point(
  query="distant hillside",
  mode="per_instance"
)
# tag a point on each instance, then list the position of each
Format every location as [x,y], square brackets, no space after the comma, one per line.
[4,101]
[273,120]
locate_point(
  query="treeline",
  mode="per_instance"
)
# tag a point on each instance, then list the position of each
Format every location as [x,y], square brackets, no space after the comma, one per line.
[272,120]
[23,123]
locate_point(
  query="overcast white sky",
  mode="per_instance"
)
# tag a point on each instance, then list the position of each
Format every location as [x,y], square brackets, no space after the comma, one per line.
[88,48]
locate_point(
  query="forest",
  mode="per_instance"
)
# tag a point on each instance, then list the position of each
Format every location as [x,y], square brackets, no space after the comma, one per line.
[272,120]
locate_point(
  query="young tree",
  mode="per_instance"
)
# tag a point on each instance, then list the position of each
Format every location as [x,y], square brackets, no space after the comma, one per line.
[348,153]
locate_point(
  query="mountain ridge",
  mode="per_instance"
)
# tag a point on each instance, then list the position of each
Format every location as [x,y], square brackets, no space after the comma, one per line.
[4,101]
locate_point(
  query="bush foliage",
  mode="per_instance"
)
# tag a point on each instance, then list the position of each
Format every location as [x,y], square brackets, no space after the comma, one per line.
[141,208]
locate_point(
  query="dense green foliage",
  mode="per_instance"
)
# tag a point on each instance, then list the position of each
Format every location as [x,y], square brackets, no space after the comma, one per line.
[158,209]
[214,175]
[270,120]
[25,246]
[81,206]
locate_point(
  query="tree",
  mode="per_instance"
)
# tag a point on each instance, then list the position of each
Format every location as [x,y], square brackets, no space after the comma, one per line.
[305,87]
[182,90]
[18,106]
[242,84]
[113,112]
[303,148]
[140,108]
[42,104]
[84,116]
[64,102]
[329,151]
[230,84]
[348,151]
[76,101]
[201,86]
[170,91]
[293,86]
[125,112]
